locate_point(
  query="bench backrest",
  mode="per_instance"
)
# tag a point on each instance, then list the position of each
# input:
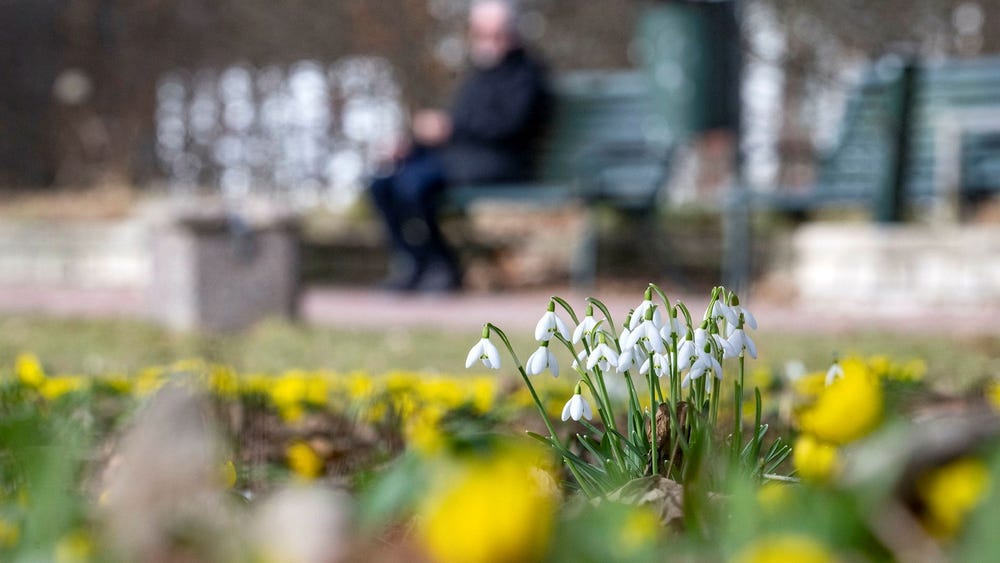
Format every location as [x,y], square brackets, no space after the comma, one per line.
[863,162]
[595,110]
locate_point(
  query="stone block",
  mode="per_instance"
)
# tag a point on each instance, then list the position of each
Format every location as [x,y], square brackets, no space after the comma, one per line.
[887,266]
[215,271]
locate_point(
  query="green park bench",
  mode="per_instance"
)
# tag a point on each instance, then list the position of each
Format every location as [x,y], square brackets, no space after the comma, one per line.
[606,146]
[889,152]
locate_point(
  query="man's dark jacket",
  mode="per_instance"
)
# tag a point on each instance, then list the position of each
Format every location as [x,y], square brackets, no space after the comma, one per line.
[497,117]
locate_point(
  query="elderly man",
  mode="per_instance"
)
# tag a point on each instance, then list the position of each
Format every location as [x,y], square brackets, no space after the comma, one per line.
[500,108]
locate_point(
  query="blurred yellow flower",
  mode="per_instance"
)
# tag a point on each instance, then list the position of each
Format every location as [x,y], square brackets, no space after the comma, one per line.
[75,547]
[488,510]
[640,528]
[810,386]
[422,432]
[54,387]
[304,461]
[993,395]
[10,533]
[228,473]
[224,382]
[951,492]
[785,549]
[846,410]
[772,497]
[29,370]
[814,460]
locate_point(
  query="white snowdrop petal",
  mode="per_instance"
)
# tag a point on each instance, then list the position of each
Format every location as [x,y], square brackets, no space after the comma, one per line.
[542,328]
[474,353]
[492,354]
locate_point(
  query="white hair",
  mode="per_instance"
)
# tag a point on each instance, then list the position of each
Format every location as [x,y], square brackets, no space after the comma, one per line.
[509,9]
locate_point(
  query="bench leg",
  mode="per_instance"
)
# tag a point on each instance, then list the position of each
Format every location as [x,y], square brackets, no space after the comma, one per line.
[583,264]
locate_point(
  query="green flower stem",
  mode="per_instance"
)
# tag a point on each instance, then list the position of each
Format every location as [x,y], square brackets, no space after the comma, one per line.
[607,415]
[675,371]
[531,388]
[607,315]
[562,303]
[738,408]
[654,410]
[716,393]
[663,296]
[589,490]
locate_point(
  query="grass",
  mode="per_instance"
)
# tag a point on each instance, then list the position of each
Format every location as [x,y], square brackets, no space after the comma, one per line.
[99,346]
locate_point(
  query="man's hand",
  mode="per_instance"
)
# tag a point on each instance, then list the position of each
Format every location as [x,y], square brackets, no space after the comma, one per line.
[431,127]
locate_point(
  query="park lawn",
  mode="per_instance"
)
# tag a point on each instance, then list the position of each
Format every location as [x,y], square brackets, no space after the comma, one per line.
[126,346]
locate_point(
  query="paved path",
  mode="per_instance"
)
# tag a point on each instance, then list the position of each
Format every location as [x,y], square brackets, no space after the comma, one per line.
[518,311]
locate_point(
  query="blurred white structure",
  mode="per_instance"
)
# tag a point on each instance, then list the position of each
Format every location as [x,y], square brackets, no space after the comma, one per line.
[305,134]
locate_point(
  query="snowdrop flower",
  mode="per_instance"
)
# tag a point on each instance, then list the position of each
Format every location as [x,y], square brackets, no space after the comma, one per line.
[577,407]
[706,361]
[581,359]
[550,324]
[661,365]
[542,359]
[739,315]
[640,312]
[602,355]
[646,332]
[686,353]
[626,360]
[586,327]
[484,351]
[722,311]
[834,373]
[739,341]
[673,327]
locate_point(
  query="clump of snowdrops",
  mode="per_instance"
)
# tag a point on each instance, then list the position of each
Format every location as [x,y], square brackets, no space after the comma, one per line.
[650,385]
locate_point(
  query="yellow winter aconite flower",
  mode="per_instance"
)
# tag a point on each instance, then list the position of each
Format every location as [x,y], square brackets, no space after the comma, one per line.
[29,370]
[814,460]
[848,409]
[773,497]
[488,510]
[228,474]
[639,529]
[951,492]
[75,547]
[810,386]
[422,432]
[785,549]
[224,382]
[993,395]
[304,461]
[54,387]
[10,533]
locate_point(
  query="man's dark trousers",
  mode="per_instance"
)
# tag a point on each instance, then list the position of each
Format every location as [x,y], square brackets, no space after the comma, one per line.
[408,200]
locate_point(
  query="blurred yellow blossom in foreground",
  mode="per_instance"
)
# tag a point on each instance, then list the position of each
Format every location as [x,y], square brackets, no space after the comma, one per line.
[814,460]
[848,409]
[951,492]
[785,549]
[489,510]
